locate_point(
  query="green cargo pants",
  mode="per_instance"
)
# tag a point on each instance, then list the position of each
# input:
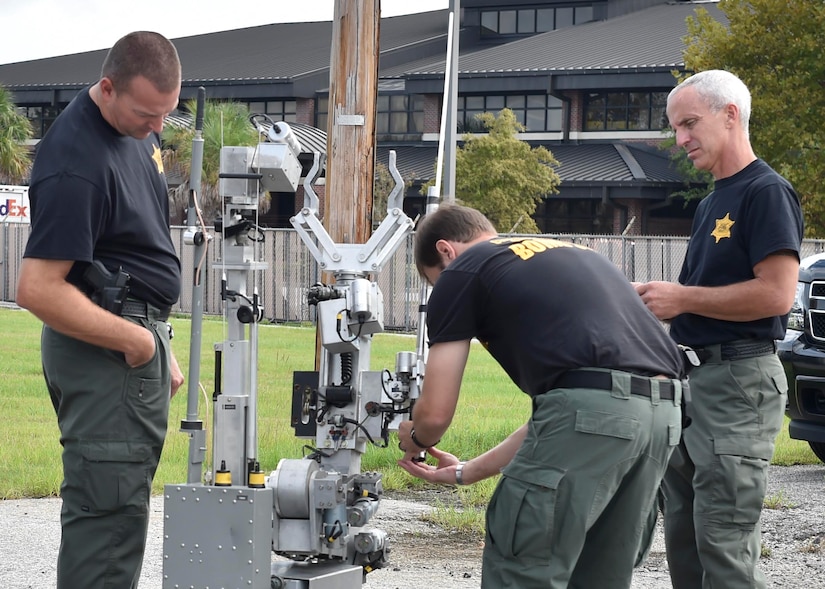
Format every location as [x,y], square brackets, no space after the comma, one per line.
[715,485]
[112,421]
[572,508]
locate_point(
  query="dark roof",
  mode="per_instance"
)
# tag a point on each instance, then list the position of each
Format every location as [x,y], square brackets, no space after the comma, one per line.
[646,39]
[604,164]
[412,161]
[281,55]
[278,52]
[614,163]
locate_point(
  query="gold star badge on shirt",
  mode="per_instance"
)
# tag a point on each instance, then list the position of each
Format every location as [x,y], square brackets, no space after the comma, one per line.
[157,158]
[723,226]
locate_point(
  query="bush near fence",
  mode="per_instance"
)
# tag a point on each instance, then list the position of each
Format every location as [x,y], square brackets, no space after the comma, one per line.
[291,270]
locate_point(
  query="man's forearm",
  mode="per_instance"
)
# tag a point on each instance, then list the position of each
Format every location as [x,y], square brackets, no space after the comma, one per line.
[744,301]
[67,310]
[493,460]
[427,432]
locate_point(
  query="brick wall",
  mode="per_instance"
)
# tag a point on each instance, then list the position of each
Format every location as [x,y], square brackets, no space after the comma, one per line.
[305,111]
[432,113]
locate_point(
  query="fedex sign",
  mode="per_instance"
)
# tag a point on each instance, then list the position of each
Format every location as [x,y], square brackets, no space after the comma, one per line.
[14,204]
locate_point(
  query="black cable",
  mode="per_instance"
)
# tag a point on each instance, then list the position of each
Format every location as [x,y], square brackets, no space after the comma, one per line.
[315,454]
[363,429]
[336,533]
[346,367]
[386,381]
[340,325]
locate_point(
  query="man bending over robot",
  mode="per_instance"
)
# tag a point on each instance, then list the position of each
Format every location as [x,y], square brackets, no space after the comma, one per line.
[579,479]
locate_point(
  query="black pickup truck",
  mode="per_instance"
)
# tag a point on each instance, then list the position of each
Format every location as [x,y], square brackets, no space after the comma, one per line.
[802,353]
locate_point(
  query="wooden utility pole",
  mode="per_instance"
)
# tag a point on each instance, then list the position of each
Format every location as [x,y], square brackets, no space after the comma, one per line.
[353,91]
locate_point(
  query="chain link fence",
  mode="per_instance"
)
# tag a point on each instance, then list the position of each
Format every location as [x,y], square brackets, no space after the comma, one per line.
[291,270]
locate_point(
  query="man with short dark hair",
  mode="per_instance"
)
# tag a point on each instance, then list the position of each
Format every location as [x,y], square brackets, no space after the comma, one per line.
[101,272]
[579,480]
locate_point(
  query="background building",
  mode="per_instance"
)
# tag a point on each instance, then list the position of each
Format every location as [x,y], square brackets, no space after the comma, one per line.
[587,78]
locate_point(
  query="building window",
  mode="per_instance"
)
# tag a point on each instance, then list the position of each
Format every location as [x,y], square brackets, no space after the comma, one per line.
[398,114]
[40,117]
[537,112]
[322,112]
[580,215]
[277,110]
[626,111]
[532,20]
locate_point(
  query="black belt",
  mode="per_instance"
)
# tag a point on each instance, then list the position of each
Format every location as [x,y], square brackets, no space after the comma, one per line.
[736,350]
[142,309]
[597,379]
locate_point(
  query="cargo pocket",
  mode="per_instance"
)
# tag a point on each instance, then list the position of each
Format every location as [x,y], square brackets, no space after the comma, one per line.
[147,404]
[520,517]
[740,479]
[115,475]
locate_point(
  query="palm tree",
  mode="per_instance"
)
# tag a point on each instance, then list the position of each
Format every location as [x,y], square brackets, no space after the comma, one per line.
[224,123]
[15,130]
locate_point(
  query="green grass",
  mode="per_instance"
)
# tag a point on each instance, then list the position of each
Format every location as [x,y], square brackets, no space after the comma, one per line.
[490,408]
[778,501]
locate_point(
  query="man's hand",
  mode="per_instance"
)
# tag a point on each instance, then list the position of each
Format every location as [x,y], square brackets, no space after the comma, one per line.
[443,473]
[768,294]
[405,443]
[42,289]
[662,298]
[142,348]
[177,374]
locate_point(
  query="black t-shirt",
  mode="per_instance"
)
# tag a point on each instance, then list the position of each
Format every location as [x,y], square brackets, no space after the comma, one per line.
[98,195]
[746,218]
[542,307]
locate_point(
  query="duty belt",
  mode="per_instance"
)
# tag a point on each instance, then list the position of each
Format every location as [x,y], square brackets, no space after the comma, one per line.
[142,309]
[602,380]
[736,350]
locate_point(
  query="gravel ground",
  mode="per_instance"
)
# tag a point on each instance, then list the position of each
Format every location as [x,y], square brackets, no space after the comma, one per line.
[423,555]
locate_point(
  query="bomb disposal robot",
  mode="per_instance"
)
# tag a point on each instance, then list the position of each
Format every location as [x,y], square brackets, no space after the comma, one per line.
[304,525]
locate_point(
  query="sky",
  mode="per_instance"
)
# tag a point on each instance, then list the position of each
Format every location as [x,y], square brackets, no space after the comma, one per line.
[34,29]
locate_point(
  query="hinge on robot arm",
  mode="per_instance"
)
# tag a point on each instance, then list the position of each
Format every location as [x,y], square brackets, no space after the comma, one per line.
[383,242]
[307,225]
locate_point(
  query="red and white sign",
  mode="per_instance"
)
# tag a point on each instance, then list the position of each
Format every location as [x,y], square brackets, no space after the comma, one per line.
[14,204]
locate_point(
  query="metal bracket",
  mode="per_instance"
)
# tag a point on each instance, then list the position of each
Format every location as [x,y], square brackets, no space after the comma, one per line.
[368,257]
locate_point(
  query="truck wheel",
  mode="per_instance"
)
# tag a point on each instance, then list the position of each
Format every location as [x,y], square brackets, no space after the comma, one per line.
[819,449]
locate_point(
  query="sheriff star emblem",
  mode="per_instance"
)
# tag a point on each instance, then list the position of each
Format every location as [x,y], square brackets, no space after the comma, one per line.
[156,157]
[723,226]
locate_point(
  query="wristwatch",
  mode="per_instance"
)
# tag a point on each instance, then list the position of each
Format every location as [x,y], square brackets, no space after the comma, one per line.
[459,473]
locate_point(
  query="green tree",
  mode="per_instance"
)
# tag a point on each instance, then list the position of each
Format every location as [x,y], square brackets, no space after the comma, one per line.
[502,176]
[775,47]
[224,123]
[15,130]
